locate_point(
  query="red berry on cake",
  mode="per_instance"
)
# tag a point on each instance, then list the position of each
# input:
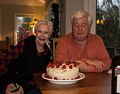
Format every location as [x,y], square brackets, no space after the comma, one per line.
[55,78]
[63,70]
[64,67]
[70,66]
[57,66]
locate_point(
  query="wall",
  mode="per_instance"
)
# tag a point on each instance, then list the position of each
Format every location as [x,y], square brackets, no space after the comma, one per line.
[71,7]
[90,6]
[62,17]
[47,11]
[68,7]
[0,24]
[7,16]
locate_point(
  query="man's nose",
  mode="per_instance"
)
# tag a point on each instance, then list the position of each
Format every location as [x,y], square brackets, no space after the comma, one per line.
[79,28]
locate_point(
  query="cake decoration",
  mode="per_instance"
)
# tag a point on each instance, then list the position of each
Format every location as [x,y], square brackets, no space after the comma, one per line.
[60,70]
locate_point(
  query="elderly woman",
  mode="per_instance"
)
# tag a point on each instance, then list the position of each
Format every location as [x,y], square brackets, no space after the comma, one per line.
[29,56]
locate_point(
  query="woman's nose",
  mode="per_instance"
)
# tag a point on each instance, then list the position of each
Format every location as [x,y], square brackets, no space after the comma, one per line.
[42,34]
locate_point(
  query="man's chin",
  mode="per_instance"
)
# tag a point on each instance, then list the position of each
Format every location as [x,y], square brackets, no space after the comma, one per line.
[80,39]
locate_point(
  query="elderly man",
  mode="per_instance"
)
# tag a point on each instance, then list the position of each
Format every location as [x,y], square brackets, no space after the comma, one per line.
[83,47]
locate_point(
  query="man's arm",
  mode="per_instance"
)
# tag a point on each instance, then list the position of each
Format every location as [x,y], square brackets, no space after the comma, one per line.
[99,64]
[61,51]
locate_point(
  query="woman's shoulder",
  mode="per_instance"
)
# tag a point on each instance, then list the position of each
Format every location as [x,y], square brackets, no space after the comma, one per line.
[32,37]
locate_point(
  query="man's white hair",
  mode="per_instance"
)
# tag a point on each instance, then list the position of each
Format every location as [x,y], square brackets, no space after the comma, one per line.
[82,13]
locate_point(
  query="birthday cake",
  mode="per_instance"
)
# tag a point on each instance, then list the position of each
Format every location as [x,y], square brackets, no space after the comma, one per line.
[62,70]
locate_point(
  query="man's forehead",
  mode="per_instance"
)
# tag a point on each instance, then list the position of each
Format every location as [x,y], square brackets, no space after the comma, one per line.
[80,19]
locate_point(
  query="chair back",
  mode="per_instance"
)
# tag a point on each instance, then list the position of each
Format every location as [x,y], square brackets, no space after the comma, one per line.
[115,74]
[4,46]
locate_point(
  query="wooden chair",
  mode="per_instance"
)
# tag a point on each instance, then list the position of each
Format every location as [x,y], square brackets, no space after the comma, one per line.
[55,41]
[4,46]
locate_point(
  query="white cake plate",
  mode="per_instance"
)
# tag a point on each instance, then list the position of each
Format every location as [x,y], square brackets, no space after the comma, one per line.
[81,76]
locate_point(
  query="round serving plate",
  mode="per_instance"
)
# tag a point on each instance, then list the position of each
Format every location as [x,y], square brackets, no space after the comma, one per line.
[81,76]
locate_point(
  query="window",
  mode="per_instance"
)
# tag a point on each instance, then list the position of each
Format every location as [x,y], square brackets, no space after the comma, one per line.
[108,22]
[24,26]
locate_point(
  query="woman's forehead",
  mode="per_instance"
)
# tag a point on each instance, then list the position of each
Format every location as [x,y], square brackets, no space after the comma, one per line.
[45,26]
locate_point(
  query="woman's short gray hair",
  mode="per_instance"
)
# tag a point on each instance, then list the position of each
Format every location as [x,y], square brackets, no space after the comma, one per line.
[82,13]
[44,21]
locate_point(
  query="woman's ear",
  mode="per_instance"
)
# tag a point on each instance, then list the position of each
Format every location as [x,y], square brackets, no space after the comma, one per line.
[50,34]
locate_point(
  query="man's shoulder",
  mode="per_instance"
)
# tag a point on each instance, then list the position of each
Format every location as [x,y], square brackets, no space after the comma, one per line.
[94,36]
[66,37]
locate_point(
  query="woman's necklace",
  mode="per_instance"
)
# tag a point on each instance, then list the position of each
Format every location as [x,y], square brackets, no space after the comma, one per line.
[40,48]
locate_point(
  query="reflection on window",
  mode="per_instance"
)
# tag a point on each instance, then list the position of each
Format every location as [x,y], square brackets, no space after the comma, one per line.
[108,21]
[24,27]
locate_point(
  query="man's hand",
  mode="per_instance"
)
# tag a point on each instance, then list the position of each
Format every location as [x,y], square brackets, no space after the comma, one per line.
[82,65]
[98,64]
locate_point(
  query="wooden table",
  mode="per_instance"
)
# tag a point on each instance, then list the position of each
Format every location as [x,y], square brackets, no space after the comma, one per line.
[94,83]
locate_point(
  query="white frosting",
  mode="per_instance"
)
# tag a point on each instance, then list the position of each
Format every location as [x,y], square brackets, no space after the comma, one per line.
[63,72]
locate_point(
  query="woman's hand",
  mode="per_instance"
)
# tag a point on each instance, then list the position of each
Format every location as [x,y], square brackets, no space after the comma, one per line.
[10,88]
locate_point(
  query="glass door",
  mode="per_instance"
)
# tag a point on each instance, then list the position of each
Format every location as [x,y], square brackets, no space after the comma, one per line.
[24,26]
